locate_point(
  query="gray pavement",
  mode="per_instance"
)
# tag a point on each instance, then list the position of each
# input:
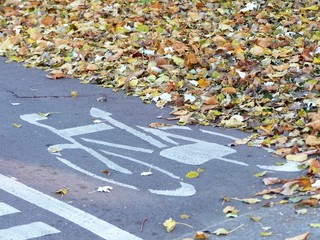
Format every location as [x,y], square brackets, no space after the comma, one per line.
[40,154]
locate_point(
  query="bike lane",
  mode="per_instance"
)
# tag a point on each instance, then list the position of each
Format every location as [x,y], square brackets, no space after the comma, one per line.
[81,137]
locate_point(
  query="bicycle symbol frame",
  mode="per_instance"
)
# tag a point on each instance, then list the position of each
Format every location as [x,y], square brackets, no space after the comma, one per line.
[196,152]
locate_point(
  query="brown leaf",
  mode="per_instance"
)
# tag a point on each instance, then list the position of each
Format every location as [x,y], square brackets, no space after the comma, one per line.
[115,57]
[159,125]
[300,237]
[268,191]
[212,100]
[229,90]
[312,140]
[271,181]
[47,21]
[315,125]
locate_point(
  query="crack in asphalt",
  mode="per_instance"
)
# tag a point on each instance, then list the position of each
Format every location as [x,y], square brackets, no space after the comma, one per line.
[51,96]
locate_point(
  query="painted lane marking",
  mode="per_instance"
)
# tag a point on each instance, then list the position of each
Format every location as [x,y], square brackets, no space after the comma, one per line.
[27,231]
[196,153]
[75,131]
[35,118]
[85,220]
[95,112]
[6,209]
[121,146]
[77,168]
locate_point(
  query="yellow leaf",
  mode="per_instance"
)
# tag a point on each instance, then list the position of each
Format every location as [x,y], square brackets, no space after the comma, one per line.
[311,8]
[17,125]
[62,191]
[251,200]
[297,157]
[231,210]
[192,174]
[170,224]
[315,225]
[221,231]
[74,94]
[265,234]
[255,219]
[316,60]
[134,82]
[184,216]
[178,61]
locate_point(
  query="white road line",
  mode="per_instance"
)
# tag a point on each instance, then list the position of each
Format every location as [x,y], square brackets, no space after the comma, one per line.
[6,209]
[27,231]
[85,220]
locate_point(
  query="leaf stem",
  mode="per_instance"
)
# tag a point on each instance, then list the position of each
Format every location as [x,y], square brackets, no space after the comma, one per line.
[181,223]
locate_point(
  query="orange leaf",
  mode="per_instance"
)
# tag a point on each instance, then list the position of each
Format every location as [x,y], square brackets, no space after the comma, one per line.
[170,87]
[191,59]
[229,90]
[203,83]
[47,21]
[212,100]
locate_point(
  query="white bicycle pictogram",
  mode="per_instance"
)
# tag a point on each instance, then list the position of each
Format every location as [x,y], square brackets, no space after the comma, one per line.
[163,142]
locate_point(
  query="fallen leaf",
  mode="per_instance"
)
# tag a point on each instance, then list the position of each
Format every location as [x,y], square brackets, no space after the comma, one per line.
[221,231]
[250,200]
[104,189]
[62,191]
[44,114]
[315,225]
[312,140]
[15,104]
[159,125]
[300,237]
[261,174]
[271,181]
[297,157]
[255,218]
[192,174]
[106,172]
[52,149]
[146,173]
[184,216]
[74,94]
[266,234]
[170,224]
[16,125]
[202,235]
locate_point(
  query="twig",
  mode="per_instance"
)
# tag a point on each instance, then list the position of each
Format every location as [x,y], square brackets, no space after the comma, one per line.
[236,228]
[142,224]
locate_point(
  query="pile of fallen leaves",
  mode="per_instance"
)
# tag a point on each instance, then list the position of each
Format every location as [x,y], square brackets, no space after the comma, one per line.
[251,65]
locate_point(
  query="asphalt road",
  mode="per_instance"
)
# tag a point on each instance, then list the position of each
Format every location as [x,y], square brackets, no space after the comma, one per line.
[50,141]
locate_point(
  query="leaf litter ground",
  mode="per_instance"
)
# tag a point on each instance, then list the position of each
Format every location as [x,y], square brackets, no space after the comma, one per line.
[250,65]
